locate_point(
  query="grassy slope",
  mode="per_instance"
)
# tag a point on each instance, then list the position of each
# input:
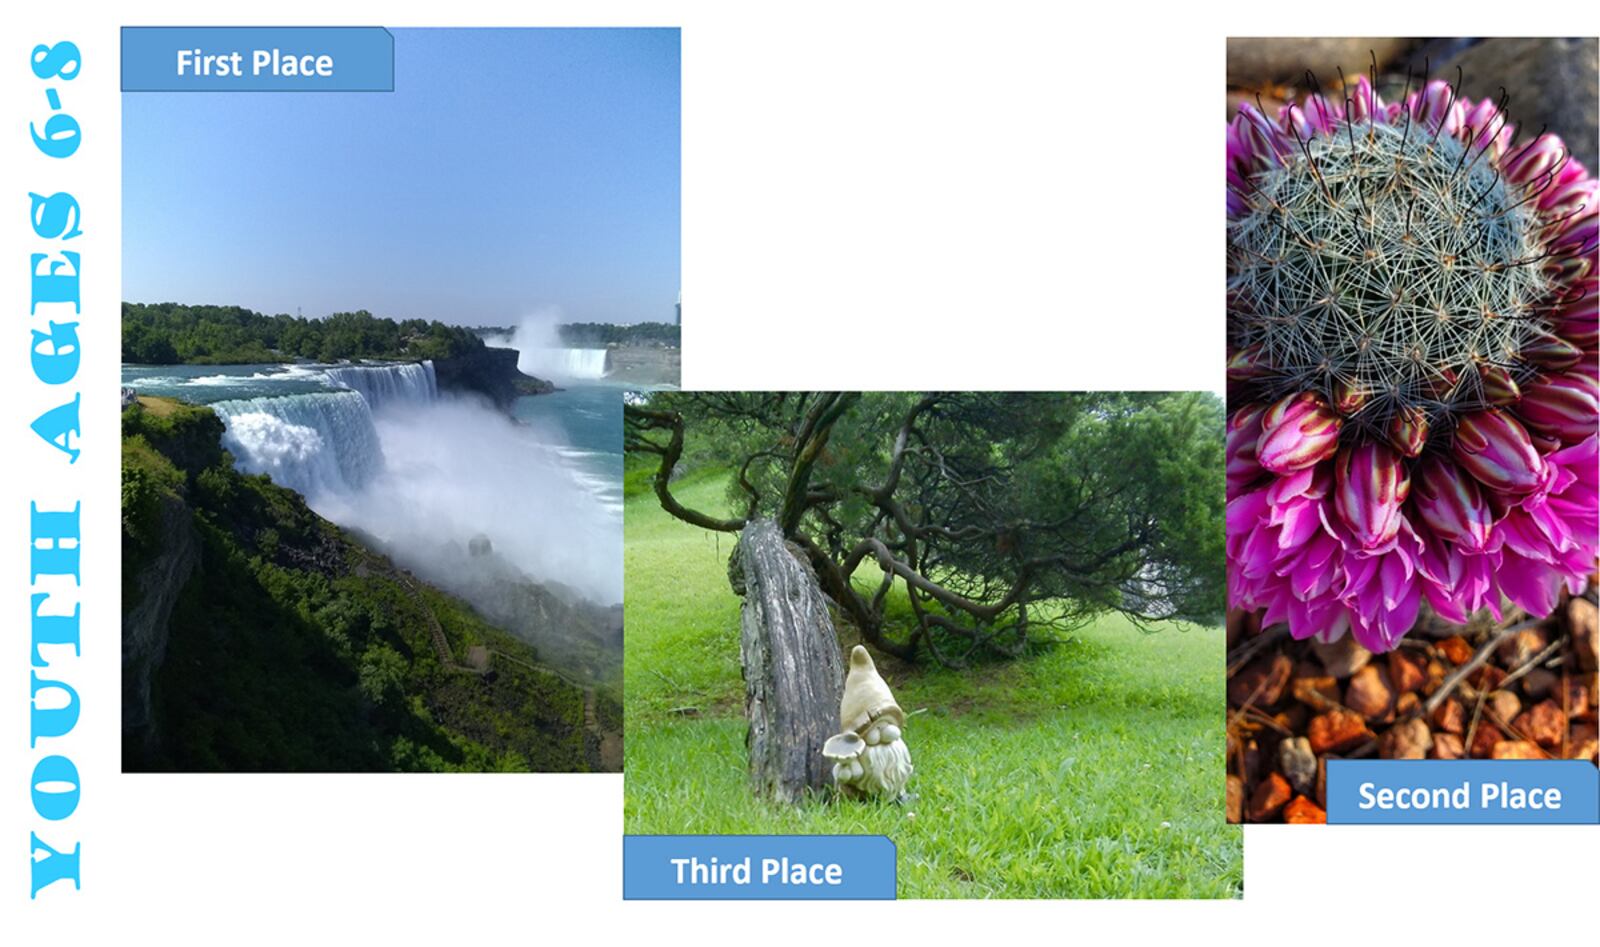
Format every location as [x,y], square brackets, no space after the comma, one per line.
[1092,769]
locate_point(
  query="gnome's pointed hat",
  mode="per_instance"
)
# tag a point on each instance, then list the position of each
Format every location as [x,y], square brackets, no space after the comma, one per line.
[866,696]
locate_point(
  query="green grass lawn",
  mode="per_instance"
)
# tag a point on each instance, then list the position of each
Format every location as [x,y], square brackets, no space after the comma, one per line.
[1091,769]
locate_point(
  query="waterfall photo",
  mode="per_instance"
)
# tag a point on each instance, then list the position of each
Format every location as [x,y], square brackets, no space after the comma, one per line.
[372,508]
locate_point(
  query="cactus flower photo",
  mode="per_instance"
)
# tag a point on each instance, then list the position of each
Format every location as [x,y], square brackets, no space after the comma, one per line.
[985,625]
[1412,522]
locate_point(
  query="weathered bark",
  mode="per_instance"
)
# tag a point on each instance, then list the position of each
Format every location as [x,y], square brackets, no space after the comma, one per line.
[793,674]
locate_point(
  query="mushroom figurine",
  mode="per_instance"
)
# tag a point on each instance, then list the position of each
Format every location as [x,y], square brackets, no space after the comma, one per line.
[870,756]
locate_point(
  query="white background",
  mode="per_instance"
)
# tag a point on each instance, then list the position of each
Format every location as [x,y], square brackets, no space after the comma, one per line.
[874,196]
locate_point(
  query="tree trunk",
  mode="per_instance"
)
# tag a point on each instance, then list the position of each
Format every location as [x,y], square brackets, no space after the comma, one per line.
[793,674]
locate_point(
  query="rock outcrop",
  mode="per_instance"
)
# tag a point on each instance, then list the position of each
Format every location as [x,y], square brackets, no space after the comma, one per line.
[145,618]
[490,372]
[646,366]
[1256,60]
[1551,82]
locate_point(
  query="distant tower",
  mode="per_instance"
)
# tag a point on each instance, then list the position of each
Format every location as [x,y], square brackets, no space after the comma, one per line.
[679,308]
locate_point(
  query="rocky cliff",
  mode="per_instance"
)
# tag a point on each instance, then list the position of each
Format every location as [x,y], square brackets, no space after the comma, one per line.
[490,372]
[160,546]
[646,366]
[145,616]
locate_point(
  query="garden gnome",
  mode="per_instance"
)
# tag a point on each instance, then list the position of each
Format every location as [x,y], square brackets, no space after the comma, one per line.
[870,757]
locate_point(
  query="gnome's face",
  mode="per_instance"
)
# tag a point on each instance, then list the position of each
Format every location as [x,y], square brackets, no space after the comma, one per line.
[870,756]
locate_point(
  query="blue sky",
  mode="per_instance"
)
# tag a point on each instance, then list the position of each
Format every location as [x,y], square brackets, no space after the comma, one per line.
[509,173]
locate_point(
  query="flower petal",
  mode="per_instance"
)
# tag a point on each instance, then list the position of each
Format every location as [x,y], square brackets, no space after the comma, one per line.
[1450,503]
[1370,484]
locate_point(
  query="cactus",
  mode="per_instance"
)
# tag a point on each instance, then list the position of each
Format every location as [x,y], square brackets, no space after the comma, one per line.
[1411,303]
[1393,270]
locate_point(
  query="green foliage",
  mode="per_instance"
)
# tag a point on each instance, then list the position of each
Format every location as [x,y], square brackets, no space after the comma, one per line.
[595,335]
[170,333]
[1150,459]
[165,419]
[147,479]
[382,675]
[1089,768]
[1017,512]
[294,648]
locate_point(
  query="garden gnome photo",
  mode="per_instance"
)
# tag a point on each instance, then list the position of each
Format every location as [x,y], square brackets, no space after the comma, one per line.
[870,756]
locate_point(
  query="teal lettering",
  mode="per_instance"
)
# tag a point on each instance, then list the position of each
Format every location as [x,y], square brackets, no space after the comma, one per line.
[54,866]
[54,629]
[51,721]
[59,426]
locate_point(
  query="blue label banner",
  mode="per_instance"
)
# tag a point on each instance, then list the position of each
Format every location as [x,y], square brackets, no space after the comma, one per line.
[1463,792]
[758,867]
[257,59]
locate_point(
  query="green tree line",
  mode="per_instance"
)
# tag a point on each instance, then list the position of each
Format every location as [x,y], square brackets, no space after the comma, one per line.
[173,333]
[594,335]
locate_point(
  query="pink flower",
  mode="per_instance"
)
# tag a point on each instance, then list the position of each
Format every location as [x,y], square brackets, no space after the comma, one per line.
[1389,447]
[1531,162]
[1244,429]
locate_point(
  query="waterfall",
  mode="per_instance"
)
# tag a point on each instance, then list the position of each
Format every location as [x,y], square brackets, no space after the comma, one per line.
[564,364]
[311,443]
[385,385]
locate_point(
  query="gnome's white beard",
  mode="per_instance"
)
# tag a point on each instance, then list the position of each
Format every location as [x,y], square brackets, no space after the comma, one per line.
[880,770]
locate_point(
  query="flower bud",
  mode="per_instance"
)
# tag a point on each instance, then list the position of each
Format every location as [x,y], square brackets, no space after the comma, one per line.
[1579,321]
[1489,130]
[1261,144]
[1364,102]
[1244,429]
[1528,162]
[1298,432]
[1441,382]
[1551,352]
[1451,504]
[1408,431]
[1577,238]
[1566,269]
[1245,364]
[1438,108]
[1349,396]
[1370,485]
[1569,199]
[1563,406]
[1491,446]
[1499,387]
